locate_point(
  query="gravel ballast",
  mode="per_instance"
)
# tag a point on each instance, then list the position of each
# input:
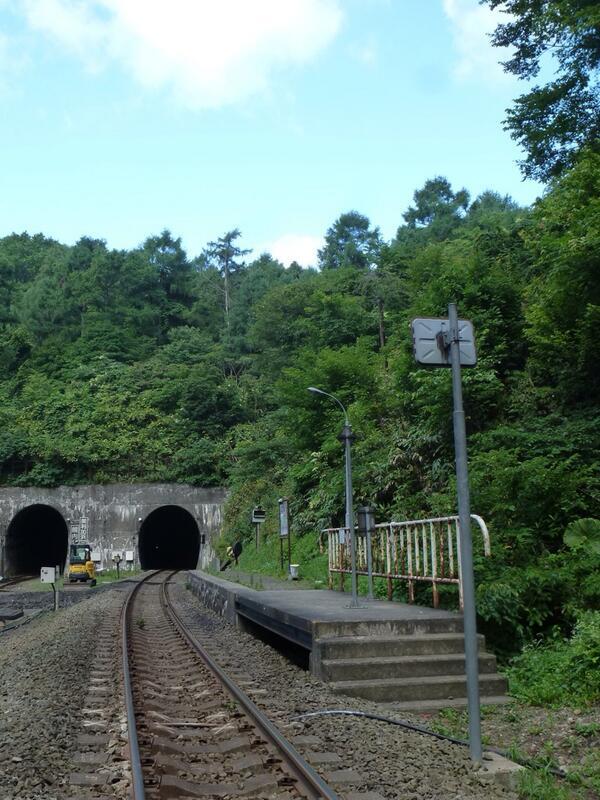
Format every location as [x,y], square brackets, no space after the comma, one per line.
[392,762]
[45,668]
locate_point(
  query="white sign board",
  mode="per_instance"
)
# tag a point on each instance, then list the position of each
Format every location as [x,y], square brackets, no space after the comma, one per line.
[48,575]
[284,520]
[128,555]
[79,531]
[428,342]
[258,515]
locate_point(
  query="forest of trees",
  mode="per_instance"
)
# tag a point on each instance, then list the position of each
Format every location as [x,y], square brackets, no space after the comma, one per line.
[148,365]
[151,365]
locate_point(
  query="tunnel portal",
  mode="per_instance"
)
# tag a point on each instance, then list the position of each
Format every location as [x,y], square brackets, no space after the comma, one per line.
[169,539]
[36,537]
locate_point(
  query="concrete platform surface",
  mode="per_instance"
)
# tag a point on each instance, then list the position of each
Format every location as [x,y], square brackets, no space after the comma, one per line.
[305,616]
[324,604]
[382,651]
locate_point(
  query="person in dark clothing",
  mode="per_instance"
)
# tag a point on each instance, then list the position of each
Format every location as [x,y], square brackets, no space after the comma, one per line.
[233,553]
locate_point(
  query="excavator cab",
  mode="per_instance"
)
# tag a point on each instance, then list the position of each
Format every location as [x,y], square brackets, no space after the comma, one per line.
[81,566]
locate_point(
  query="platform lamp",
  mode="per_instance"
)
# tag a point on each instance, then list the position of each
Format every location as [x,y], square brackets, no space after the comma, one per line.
[346,436]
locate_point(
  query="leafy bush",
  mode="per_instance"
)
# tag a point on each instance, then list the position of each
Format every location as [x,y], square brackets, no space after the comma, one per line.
[563,671]
[583,534]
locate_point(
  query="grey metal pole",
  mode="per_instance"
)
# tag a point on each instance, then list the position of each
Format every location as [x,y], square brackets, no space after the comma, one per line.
[466,550]
[369,564]
[346,437]
[369,567]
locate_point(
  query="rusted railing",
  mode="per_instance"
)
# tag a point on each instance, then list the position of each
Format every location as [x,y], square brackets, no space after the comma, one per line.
[418,550]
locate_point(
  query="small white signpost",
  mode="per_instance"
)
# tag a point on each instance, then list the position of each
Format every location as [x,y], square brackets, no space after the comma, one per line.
[284,531]
[49,575]
[258,517]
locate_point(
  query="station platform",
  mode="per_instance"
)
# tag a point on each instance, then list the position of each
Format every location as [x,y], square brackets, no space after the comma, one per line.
[382,650]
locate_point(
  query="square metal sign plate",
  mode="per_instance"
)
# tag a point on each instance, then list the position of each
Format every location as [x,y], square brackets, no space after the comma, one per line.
[48,575]
[425,331]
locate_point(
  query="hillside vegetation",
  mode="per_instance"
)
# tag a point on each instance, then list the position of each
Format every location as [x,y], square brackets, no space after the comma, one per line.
[149,365]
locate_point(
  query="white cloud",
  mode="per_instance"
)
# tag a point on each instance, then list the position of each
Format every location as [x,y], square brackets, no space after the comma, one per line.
[295,247]
[471,25]
[366,53]
[208,52]
[12,61]
[4,54]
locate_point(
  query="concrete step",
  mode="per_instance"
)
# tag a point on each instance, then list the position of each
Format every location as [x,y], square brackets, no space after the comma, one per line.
[356,669]
[386,646]
[417,625]
[439,687]
[417,706]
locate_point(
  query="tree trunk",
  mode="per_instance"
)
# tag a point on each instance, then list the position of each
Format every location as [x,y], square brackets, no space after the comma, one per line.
[381,323]
[226,281]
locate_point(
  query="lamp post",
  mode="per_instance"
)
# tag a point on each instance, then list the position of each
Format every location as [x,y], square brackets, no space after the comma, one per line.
[346,437]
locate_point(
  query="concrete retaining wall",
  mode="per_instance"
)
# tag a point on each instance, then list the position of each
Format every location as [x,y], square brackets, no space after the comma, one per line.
[109,517]
[218,595]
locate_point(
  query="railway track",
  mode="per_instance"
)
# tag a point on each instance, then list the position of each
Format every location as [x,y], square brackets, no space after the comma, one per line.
[10,583]
[192,731]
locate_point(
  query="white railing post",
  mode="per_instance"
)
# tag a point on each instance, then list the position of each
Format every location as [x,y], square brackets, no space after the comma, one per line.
[408,551]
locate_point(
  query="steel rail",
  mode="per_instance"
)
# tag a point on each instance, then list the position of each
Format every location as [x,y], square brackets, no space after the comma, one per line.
[137,775]
[7,582]
[301,769]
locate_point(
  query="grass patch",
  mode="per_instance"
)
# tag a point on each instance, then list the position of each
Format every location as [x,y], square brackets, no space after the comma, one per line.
[313,565]
[539,785]
[266,560]
[562,671]
[110,575]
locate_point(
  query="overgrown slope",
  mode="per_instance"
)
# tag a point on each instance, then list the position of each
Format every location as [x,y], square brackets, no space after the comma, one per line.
[149,365]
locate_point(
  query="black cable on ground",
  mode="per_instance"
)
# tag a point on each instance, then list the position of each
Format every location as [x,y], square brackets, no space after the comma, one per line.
[402,723]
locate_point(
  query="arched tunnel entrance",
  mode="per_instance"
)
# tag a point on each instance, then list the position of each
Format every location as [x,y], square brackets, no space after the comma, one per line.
[36,537]
[169,539]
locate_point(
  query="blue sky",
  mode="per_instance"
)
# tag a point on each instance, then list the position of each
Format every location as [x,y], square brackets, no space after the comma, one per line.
[123,117]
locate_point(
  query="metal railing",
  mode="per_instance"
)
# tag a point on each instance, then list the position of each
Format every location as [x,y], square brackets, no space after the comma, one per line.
[415,551]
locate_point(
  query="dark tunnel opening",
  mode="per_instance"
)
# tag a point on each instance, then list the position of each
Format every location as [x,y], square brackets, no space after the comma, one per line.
[36,537]
[169,539]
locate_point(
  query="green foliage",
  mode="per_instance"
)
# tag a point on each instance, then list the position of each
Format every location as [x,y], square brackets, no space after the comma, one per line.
[148,365]
[350,242]
[540,785]
[553,122]
[267,559]
[583,534]
[437,207]
[563,671]
[563,296]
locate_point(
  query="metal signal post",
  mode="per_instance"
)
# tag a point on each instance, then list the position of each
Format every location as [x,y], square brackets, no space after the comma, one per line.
[450,343]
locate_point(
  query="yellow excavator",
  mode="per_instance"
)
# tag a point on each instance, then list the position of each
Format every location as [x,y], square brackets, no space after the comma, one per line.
[81,566]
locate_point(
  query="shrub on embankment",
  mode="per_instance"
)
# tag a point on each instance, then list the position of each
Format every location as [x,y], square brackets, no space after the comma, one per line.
[530,281]
[560,671]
